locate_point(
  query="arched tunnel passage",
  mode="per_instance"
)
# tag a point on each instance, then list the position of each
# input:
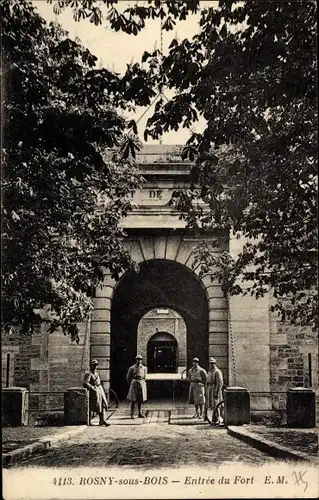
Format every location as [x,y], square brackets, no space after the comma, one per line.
[162,353]
[158,284]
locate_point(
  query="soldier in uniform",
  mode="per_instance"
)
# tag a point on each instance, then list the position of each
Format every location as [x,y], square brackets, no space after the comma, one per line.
[215,384]
[137,393]
[97,397]
[197,377]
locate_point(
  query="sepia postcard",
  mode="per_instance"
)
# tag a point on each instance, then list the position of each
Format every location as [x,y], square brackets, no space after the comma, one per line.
[159,249]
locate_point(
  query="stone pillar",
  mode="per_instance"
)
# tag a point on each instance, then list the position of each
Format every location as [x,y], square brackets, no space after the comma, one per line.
[237,406]
[76,406]
[301,407]
[15,406]
[218,324]
[100,339]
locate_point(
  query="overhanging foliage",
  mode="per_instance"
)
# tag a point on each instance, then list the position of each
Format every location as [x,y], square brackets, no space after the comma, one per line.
[60,114]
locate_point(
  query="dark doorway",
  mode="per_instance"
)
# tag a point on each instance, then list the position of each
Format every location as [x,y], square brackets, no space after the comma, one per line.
[158,284]
[162,353]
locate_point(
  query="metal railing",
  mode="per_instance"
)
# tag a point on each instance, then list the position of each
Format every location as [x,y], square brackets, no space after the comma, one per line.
[47,407]
[281,400]
[279,411]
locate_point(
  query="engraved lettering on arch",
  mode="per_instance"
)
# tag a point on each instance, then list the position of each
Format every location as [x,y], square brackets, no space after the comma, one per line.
[155,194]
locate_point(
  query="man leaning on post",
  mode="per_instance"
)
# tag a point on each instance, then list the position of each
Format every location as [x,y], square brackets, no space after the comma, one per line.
[97,398]
[197,377]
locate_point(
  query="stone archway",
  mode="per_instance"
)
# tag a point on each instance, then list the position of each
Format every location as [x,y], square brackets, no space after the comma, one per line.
[118,311]
[159,283]
[164,327]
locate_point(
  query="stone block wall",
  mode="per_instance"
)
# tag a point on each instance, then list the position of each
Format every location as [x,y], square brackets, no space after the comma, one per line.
[251,335]
[251,339]
[18,347]
[289,350]
[67,360]
[271,356]
[44,362]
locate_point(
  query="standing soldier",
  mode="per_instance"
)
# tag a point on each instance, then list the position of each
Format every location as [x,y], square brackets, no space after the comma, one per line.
[98,401]
[197,377]
[137,393]
[215,384]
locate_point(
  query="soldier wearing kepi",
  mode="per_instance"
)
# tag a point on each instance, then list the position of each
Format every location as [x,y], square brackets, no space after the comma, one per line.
[97,397]
[137,393]
[197,377]
[215,384]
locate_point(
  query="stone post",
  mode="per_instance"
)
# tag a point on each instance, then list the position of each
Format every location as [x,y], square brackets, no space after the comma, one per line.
[301,407]
[15,406]
[237,406]
[76,406]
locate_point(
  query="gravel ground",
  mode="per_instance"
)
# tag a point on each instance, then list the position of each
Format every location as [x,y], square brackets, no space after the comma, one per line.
[155,445]
[149,446]
[304,440]
[17,437]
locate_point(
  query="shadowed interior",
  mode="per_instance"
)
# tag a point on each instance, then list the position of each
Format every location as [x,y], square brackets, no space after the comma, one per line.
[159,283]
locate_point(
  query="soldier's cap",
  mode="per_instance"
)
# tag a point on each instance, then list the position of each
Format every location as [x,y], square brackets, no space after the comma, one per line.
[196,359]
[94,362]
[212,360]
[138,357]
